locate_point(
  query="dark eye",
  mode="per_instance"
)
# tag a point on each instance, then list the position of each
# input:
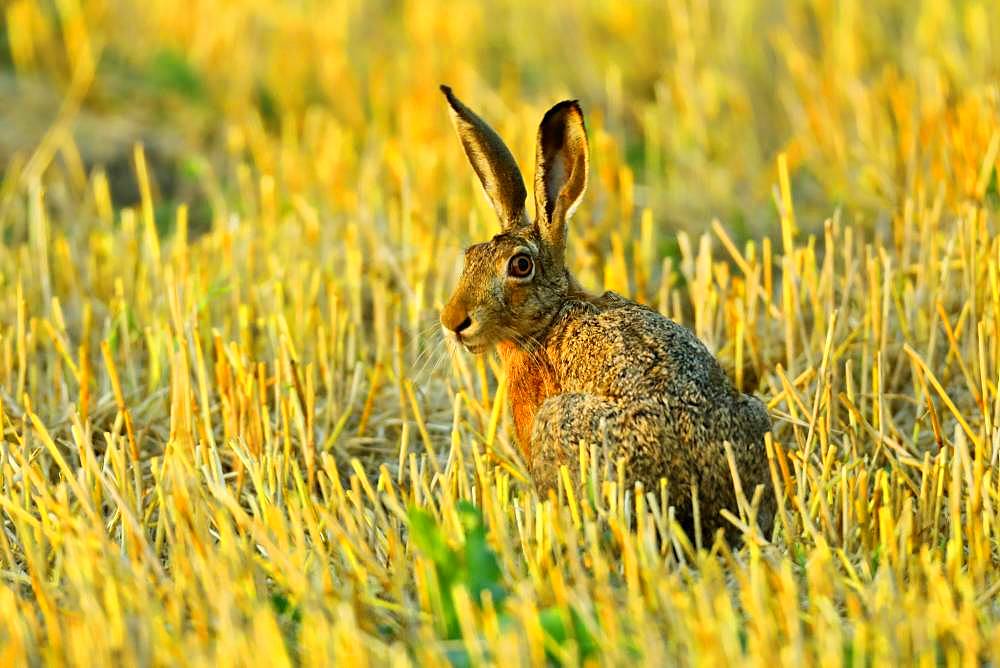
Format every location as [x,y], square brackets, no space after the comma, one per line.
[520,266]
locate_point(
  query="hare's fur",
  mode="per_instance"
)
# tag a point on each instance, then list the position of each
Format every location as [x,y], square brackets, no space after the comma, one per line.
[601,370]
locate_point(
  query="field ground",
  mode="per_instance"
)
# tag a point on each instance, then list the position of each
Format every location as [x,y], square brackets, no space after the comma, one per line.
[230,432]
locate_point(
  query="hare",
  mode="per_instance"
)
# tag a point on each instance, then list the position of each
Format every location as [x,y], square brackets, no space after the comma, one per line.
[601,370]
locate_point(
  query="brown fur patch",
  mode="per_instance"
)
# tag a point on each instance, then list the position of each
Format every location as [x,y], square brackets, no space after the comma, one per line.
[530,381]
[518,297]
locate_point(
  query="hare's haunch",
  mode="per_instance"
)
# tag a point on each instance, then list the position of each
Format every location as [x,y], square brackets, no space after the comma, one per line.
[591,369]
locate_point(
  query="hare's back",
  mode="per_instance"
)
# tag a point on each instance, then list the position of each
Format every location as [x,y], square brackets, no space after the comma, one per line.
[619,348]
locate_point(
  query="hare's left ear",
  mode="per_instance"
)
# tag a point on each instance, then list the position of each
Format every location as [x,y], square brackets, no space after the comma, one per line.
[561,172]
[492,162]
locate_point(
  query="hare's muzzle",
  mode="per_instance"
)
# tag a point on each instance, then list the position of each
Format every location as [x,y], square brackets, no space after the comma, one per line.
[455,318]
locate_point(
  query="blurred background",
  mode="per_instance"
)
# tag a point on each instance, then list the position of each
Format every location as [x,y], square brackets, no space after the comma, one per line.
[688,101]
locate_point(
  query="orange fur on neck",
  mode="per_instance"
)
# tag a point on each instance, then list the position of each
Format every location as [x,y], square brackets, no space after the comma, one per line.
[530,381]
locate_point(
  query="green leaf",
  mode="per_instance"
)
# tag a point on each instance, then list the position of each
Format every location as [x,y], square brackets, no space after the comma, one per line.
[553,622]
[427,535]
[992,195]
[285,608]
[170,70]
[474,566]
[458,656]
[482,568]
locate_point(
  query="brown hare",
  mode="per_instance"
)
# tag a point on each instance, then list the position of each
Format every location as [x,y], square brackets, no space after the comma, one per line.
[601,369]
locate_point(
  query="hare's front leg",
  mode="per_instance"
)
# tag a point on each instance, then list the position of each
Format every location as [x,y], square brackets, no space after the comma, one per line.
[630,430]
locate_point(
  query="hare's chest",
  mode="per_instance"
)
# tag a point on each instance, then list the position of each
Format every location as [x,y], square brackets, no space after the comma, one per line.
[530,381]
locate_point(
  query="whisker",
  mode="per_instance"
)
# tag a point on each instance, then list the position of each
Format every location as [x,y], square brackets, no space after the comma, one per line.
[431,360]
[428,349]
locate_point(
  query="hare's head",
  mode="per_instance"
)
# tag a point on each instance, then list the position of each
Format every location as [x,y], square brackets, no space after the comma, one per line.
[513,285]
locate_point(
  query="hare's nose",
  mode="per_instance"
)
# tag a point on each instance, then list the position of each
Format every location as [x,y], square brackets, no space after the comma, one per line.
[455,318]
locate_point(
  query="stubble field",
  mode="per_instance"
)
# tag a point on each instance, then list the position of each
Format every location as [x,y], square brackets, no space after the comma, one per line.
[231,432]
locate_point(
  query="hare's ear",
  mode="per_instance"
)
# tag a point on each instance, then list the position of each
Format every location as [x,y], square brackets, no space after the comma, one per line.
[561,171]
[493,163]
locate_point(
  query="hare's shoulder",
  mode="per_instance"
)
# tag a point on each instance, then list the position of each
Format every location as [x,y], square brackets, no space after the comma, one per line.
[633,326]
[615,345]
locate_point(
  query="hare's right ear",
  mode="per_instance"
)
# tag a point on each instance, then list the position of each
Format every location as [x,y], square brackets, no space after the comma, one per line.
[561,172]
[493,163]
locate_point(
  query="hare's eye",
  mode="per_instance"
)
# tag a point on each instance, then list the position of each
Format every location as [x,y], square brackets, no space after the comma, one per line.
[520,266]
